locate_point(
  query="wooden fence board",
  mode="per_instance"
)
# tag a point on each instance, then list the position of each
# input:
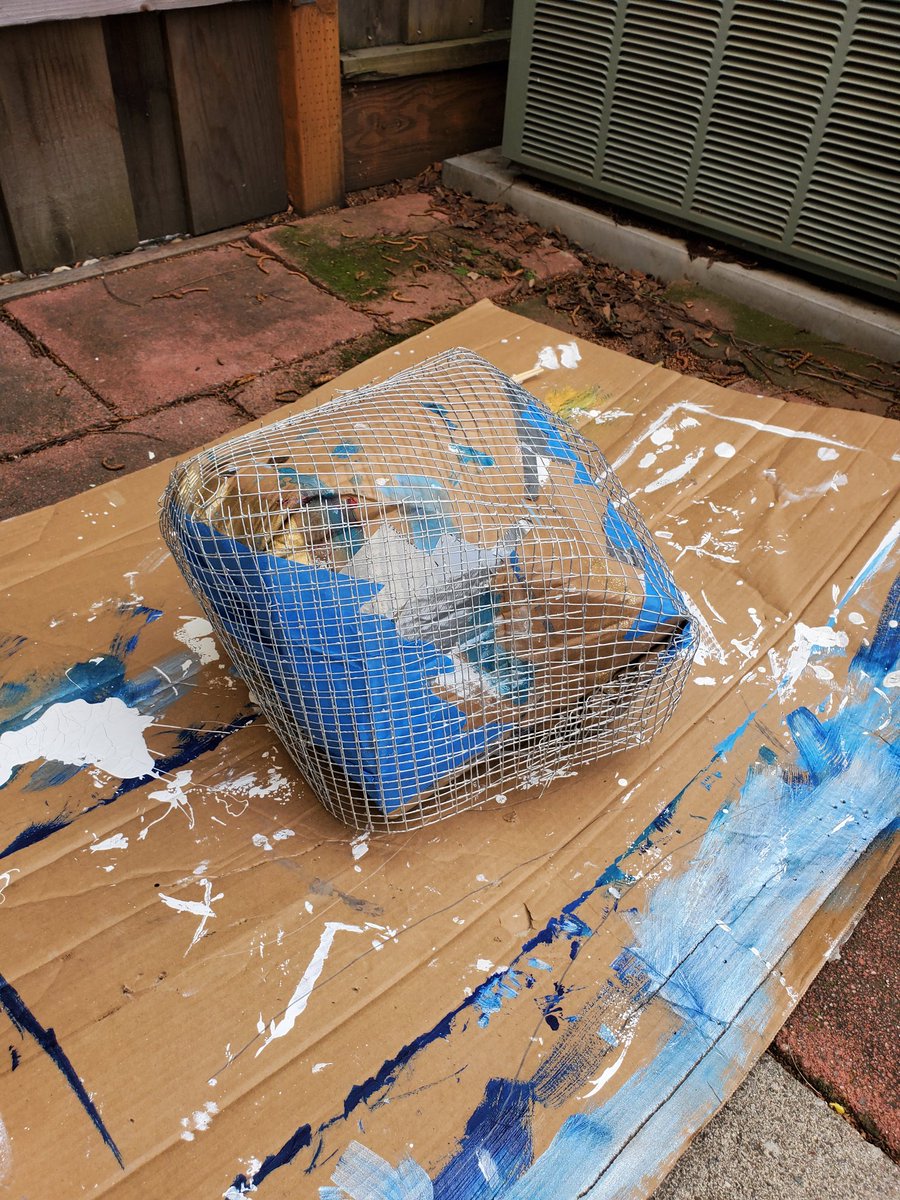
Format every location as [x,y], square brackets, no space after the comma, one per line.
[389,62]
[309,71]
[62,169]
[396,128]
[435,20]
[29,12]
[372,23]
[498,14]
[8,259]
[140,79]
[224,87]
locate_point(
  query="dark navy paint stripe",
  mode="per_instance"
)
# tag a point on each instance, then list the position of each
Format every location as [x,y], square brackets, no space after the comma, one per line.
[25,1022]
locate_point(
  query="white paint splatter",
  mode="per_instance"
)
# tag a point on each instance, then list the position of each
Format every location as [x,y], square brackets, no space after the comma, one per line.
[647,461]
[569,356]
[827,453]
[198,908]
[676,473]
[359,846]
[808,641]
[108,735]
[725,450]
[261,841]
[118,841]
[856,618]
[236,794]
[484,964]
[196,634]
[701,410]
[199,1121]
[174,797]
[297,1004]
[662,436]
[317,1067]
[5,1154]
[892,679]
[840,825]
[704,681]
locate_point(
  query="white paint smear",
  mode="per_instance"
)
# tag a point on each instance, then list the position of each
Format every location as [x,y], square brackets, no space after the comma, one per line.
[891,680]
[359,846]
[317,1067]
[5,1154]
[569,356]
[807,641]
[298,1002]
[605,1076]
[6,880]
[827,453]
[108,735]
[838,480]
[197,908]
[196,634]
[676,473]
[118,841]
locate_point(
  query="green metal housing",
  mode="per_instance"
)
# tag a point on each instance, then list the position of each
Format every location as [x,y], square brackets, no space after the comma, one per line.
[773,124]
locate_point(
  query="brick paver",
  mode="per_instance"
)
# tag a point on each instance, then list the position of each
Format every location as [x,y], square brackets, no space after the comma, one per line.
[843,1035]
[60,471]
[40,401]
[153,334]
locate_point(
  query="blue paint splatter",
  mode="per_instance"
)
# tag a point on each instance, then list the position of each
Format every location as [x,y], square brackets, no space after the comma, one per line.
[24,1022]
[470,457]
[346,450]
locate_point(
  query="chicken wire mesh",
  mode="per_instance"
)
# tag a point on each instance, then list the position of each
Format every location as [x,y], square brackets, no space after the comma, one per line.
[435,589]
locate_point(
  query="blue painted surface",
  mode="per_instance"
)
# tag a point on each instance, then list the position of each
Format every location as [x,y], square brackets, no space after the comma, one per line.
[359,689]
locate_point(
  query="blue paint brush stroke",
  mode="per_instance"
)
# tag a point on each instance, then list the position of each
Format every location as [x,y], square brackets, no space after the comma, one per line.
[25,1022]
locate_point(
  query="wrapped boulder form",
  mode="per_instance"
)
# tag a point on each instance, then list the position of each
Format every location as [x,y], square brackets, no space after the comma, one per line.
[435,589]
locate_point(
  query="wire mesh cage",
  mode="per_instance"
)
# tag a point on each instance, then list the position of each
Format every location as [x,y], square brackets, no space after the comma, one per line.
[436,590]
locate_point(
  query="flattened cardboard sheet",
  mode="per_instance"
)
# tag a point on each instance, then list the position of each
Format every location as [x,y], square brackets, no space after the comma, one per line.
[208,987]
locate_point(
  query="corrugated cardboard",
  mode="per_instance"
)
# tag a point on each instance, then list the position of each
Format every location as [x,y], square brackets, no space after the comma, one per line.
[211,986]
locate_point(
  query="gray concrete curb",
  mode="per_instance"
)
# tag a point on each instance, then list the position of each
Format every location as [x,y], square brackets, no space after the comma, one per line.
[860,324]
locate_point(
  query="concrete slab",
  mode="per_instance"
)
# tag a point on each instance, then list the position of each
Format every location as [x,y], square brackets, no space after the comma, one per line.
[864,325]
[145,337]
[49,475]
[843,1036]
[41,401]
[776,1140]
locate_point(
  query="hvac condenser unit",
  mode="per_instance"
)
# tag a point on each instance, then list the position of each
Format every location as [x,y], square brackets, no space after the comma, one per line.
[774,124]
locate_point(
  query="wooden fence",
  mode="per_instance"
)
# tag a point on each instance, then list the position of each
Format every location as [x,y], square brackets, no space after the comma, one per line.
[128,125]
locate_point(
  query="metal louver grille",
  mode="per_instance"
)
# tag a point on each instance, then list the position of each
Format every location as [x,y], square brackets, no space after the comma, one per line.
[774,71]
[567,79]
[773,122]
[664,62]
[851,210]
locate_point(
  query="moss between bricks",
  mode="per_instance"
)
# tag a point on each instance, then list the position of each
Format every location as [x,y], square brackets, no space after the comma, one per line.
[361,269]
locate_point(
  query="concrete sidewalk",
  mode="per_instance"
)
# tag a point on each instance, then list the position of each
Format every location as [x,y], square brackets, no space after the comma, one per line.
[103,375]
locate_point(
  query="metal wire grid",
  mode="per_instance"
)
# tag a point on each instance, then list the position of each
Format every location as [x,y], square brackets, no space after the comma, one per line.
[435,589]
